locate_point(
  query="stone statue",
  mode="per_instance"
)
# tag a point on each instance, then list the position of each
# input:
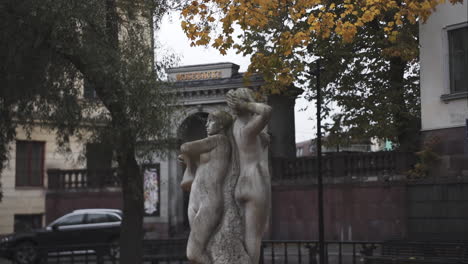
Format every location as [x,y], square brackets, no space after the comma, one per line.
[208,159]
[253,189]
[228,178]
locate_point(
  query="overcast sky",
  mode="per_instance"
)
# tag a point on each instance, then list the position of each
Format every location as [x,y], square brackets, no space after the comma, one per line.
[172,38]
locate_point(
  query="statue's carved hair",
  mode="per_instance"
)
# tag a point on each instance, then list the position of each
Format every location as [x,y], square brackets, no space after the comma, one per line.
[244,94]
[223,117]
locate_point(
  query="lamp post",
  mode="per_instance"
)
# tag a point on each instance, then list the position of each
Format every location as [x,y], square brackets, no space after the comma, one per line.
[316,73]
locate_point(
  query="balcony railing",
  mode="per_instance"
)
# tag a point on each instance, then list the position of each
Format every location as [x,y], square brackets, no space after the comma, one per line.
[345,167]
[82,179]
[337,168]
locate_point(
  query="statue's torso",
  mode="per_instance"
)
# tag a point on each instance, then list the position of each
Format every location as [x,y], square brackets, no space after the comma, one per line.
[254,179]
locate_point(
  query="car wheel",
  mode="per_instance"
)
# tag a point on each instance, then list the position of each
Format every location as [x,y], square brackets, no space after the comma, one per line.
[114,249]
[25,253]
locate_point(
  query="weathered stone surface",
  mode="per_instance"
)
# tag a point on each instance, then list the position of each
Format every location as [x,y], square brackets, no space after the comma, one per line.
[227,245]
[228,176]
[253,188]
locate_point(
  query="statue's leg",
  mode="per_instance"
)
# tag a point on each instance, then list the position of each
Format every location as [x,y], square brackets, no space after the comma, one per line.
[194,251]
[255,221]
[192,243]
[203,227]
[256,209]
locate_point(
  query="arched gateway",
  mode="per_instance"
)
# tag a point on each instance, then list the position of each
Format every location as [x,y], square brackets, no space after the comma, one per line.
[201,90]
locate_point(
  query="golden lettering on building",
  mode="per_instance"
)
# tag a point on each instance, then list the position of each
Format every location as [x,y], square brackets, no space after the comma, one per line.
[198,76]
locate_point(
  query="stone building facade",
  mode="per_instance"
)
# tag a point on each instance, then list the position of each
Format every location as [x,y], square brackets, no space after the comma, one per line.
[24,180]
[444,86]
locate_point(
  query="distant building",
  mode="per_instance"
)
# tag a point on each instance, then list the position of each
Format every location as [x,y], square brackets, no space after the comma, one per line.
[444,86]
[308,147]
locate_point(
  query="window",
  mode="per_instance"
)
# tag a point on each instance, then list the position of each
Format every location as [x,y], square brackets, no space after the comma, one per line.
[76,219]
[458,59]
[88,90]
[97,218]
[27,222]
[312,148]
[29,163]
[113,218]
[299,152]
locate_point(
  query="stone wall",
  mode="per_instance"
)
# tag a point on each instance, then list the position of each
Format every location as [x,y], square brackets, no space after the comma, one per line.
[373,211]
[438,211]
[451,144]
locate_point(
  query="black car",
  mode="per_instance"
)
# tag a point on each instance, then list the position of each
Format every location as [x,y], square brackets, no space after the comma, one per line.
[81,229]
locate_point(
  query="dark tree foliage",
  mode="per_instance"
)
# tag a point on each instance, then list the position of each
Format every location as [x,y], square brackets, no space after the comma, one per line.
[373,82]
[368,49]
[49,47]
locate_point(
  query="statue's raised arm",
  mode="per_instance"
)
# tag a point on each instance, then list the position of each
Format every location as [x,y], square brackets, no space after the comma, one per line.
[190,156]
[246,104]
[253,189]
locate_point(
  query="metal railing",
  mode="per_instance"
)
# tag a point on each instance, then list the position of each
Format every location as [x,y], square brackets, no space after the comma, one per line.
[155,252]
[305,252]
[172,251]
[421,252]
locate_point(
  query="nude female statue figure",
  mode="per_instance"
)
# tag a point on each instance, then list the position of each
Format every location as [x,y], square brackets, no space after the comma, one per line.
[209,160]
[253,189]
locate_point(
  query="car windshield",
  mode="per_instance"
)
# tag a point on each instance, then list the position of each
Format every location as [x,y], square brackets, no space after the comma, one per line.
[74,219]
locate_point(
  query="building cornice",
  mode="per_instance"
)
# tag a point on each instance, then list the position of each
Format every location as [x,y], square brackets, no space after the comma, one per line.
[204,67]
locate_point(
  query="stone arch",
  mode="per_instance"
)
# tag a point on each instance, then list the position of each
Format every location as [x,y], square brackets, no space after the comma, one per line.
[192,127]
[191,111]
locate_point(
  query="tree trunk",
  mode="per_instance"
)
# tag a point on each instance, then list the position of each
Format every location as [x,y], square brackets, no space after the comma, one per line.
[131,235]
[406,134]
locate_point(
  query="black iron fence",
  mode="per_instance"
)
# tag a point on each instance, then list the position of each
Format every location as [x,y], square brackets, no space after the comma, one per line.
[172,251]
[421,252]
[298,252]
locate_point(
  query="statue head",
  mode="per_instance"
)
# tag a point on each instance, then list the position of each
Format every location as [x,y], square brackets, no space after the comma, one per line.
[217,122]
[243,94]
